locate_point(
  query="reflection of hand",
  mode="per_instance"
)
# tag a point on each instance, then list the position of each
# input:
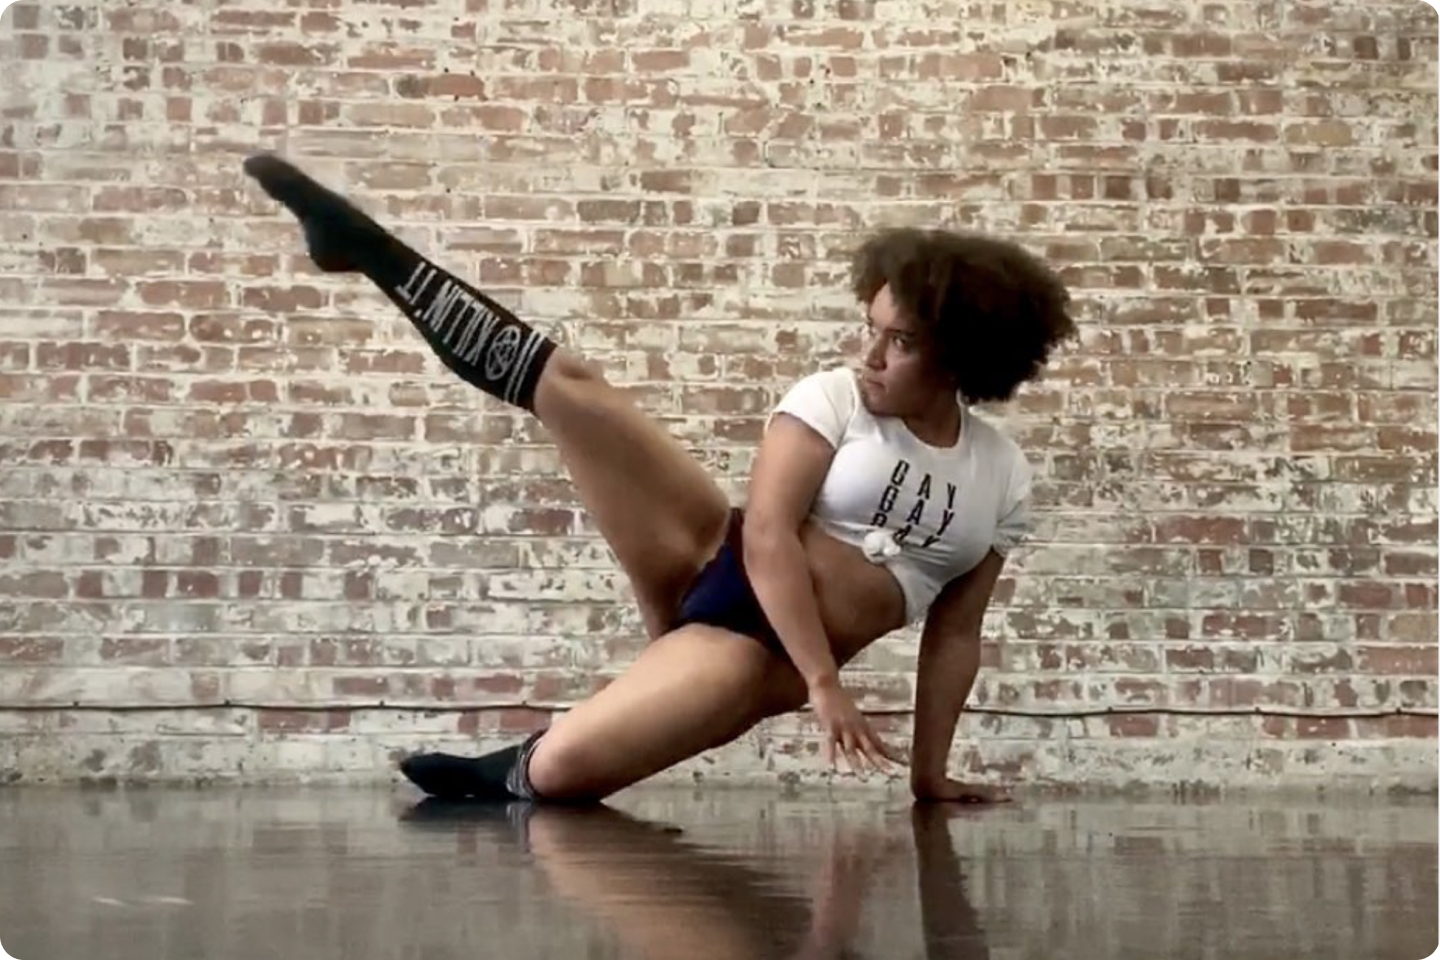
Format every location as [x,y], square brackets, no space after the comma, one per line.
[847,727]
[839,891]
[952,791]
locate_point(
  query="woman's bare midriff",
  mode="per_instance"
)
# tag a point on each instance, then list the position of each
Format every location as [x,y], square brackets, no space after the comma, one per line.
[859,601]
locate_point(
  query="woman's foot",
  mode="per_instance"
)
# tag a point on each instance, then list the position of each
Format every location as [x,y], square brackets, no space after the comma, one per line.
[336,232]
[455,778]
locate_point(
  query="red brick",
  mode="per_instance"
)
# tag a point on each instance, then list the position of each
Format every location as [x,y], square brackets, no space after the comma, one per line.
[302,721]
[361,686]
[116,325]
[135,650]
[235,391]
[82,356]
[1411,627]
[131,389]
[1366,594]
[1184,659]
[281,300]
[1322,662]
[1323,728]
[33,650]
[1398,564]
[1240,626]
[1390,660]
[1395,727]
[28,388]
[1200,530]
[197,584]
[1134,725]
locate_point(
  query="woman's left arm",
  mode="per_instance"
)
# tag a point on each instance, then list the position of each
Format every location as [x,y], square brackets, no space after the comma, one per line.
[945,675]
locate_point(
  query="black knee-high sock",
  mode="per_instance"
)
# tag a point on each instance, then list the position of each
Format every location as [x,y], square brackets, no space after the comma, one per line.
[477,338]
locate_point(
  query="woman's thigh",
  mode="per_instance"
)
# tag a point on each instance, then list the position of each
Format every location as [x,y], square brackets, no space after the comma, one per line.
[690,690]
[658,508]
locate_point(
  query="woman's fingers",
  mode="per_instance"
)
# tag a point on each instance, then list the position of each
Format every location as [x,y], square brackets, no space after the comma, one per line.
[871,748]
[866,743]
[854,750]
[875,749]
[852,738]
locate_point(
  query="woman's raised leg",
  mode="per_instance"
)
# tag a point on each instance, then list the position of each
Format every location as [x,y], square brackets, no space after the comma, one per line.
[659,511]
[662,515]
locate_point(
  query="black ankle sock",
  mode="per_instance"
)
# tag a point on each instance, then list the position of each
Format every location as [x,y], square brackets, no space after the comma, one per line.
[451,777]
[478,339]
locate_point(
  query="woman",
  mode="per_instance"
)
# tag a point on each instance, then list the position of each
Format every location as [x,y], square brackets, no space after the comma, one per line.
[876,500]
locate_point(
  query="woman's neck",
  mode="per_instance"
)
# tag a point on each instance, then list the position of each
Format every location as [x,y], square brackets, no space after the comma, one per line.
[939,425]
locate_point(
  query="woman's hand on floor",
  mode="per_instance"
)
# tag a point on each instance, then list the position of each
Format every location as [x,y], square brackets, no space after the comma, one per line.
[953,791]
[847,729]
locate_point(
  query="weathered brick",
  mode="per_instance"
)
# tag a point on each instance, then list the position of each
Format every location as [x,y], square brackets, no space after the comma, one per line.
[255,463]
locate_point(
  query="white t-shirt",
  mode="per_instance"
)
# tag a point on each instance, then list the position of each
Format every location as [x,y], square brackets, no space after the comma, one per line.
[944,507]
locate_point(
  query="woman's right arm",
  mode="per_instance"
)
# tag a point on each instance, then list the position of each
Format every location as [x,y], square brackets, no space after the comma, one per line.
[788,472]
[789,469]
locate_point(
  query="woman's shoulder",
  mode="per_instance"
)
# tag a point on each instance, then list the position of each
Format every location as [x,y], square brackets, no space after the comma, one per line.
[826,400]
[836,387]
[998,444]
[839,379]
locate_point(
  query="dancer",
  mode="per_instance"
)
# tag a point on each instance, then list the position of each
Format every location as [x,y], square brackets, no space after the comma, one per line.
[877,499]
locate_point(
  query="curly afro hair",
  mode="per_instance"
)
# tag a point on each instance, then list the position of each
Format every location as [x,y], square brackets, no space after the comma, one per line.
[992,310]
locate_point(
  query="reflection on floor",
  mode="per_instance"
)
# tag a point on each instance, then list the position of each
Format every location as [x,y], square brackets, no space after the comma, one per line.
[158,873]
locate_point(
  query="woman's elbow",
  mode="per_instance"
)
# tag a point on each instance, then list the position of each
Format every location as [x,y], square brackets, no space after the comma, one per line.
[764,533]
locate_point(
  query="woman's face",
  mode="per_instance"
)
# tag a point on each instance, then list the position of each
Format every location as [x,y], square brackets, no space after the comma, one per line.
[899,377]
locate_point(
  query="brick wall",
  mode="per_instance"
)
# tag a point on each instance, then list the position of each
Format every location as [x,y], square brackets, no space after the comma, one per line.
[229,480]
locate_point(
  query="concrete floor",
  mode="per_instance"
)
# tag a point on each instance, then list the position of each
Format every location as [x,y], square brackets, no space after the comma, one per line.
[162,873]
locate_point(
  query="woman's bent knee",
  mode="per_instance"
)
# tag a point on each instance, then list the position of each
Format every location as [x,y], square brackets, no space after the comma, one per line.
[567,769]
[567,382]
[556,770]
[569,365]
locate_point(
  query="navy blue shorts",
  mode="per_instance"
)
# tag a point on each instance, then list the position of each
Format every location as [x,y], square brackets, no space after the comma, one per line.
[721,595]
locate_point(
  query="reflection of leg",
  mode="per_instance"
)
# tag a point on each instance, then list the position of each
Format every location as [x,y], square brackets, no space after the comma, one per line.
[950,924]
[660,895]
